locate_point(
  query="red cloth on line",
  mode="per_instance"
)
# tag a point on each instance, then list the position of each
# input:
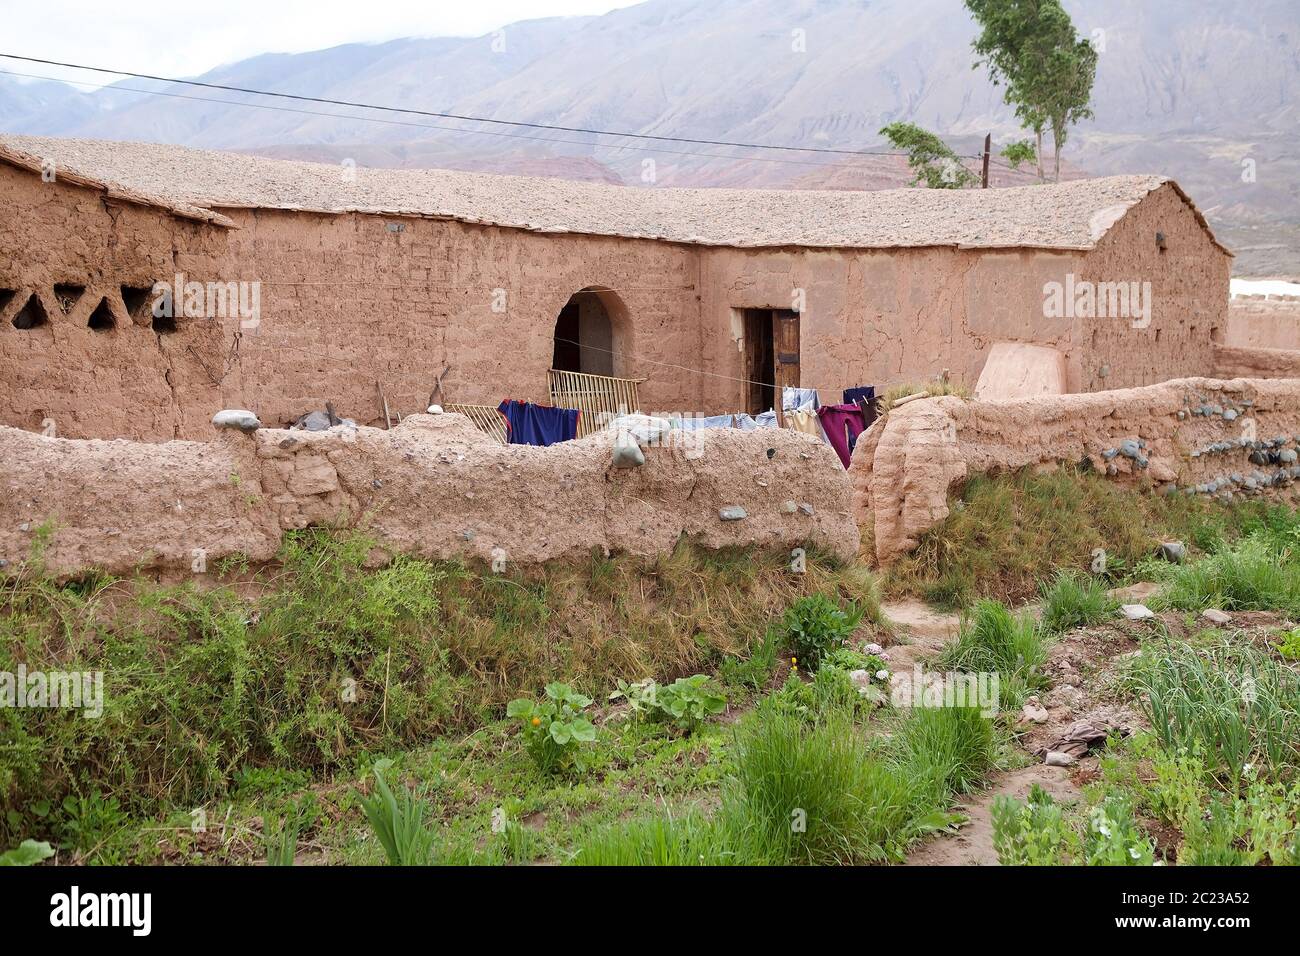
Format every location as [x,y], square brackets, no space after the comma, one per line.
[843,424]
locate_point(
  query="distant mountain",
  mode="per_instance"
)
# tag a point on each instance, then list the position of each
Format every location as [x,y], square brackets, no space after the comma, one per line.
[1190,88]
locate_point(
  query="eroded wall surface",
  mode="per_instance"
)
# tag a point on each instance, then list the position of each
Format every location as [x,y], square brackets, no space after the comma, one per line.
[1222,438]
[434,486]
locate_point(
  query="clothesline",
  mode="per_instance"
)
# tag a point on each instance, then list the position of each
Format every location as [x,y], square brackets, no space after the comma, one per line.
[685,368]
[839,425]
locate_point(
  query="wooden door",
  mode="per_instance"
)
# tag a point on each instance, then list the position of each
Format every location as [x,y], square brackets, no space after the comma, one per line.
[785,342]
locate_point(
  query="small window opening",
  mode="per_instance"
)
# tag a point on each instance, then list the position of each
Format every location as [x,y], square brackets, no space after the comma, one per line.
[32,314]
[135,298]
[6,296]
[164,324]
[68,296]
[101,320]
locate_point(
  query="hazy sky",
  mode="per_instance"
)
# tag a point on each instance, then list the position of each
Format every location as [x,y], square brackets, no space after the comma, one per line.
[184,39]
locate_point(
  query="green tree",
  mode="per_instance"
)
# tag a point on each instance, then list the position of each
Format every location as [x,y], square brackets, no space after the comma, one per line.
[1021,151]
[1032,48]
[930,158]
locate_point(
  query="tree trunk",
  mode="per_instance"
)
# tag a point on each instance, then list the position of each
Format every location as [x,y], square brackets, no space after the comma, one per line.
[1039,153]
[1058,138]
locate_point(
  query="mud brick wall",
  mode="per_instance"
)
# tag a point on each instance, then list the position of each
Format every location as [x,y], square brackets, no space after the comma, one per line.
[434,486]
[351,302]
[1264,321]
[1195,436]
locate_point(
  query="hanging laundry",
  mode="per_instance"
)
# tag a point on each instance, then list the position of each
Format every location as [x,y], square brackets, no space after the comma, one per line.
[843,424]
[806,421]
[749,422]
[864,396]
[530,424]
[799,399]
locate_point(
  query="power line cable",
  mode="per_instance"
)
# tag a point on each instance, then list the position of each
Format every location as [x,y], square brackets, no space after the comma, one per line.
[441,115]
[455,129]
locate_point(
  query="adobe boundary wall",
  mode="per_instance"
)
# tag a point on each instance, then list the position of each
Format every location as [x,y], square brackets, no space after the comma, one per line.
[434,487]
[1215,437]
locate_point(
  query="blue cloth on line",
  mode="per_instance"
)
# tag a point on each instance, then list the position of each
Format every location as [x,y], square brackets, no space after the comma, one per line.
[543,425]
[794,399]
[766,420]
[866,392]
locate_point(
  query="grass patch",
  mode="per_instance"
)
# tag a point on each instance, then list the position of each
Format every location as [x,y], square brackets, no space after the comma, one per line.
[994,640]
[1072,600]
[1006,533]
[209,693]
[1250,576]
[818,792]
[933,389]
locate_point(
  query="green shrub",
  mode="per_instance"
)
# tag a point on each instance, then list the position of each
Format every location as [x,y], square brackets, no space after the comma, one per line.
[816,625]
[1038,832]
[200,684]
[1072,600]
[1033,832]
[689,701]
[555,727]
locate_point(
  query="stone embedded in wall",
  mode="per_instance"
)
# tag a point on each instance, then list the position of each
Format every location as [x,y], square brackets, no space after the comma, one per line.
[1177,436]
[434,486]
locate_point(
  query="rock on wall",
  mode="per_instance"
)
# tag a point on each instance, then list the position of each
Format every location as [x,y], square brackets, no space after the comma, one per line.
[434,486]
[1188,436]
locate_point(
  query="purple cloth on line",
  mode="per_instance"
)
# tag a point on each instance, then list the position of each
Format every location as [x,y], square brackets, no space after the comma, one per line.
[543,425]
[843,424]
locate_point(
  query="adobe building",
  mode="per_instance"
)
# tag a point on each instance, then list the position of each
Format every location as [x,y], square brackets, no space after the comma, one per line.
[469,287]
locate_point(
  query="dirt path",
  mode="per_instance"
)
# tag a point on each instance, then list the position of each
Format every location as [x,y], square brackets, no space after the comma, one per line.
[972,845]
[923,632]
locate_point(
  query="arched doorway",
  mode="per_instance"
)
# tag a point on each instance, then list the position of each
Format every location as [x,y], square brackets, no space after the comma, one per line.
[588,333]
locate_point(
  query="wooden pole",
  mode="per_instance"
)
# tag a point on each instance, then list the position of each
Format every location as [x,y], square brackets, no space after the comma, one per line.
[988,147]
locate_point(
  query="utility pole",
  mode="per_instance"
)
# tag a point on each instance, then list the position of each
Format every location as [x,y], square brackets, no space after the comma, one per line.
[988,147]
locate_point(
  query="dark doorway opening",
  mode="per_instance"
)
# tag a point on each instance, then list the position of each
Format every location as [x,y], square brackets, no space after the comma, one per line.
[771,357]
[584,335]
[568,340]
